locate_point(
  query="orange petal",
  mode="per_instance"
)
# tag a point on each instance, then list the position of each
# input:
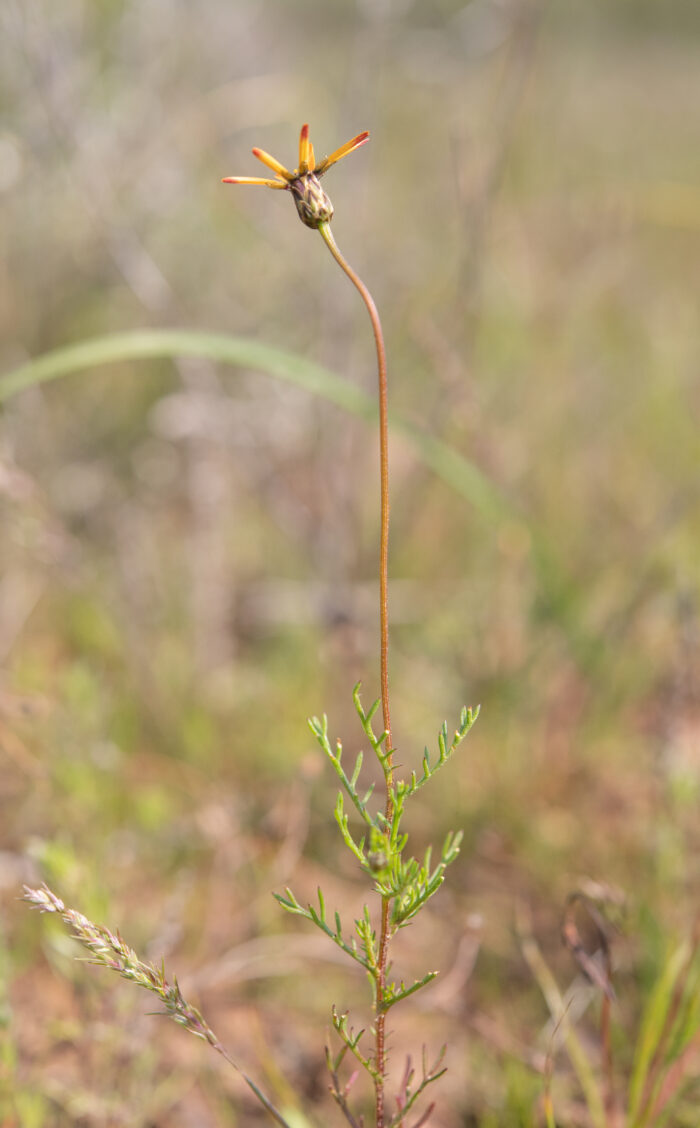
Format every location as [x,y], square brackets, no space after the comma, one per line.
[343,151]
[304,150]
[272,163]
[312,158]
[254,180]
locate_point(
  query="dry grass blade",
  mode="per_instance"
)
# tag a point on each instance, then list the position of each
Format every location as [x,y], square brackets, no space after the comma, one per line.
[558,1010]
[599,975]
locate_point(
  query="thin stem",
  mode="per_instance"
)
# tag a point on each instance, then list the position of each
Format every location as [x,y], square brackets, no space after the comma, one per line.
[384,477]
[385,930]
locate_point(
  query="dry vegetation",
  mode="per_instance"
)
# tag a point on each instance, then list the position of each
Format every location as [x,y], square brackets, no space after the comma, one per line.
[188,552]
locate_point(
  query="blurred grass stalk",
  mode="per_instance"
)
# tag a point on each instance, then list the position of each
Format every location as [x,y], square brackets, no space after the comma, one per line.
[157,344]
[557,592]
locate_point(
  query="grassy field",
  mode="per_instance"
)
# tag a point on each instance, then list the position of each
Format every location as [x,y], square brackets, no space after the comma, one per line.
[188,549]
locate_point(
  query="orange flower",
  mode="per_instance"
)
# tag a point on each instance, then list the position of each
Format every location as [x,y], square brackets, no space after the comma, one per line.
[312,203]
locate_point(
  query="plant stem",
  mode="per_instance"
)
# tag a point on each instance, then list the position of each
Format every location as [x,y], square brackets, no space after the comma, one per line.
[385,929]
[384,475]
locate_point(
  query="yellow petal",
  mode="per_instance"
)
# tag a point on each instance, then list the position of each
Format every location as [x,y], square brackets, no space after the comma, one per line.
[272,163]
[342,151]
[312,158]
[254,180]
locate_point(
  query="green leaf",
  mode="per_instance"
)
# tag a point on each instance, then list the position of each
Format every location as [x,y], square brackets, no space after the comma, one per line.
[395,992]
[318,917]
[357,848]
[652,1029]
[352,1041]
[467,718]
[320,731]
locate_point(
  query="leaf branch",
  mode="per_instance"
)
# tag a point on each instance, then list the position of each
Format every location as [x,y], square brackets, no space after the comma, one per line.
[409,1096]
[445,752]
[352,1042]
[318,918]
[340,1095]
[395,993]
[320,730]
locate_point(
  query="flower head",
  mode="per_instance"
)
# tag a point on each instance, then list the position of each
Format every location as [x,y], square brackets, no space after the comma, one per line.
[312,203]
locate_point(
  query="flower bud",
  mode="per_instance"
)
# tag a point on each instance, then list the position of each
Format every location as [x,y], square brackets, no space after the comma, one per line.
[312,203]
[377,861]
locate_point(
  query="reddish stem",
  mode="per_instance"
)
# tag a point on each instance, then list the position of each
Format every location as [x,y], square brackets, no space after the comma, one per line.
[385,930]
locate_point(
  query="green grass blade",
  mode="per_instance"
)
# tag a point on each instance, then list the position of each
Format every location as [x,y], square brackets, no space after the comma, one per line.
[446,463]
[454,469]
[652,1029]
[153,344]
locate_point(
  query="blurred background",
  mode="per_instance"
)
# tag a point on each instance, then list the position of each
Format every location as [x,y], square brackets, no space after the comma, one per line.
[189,552]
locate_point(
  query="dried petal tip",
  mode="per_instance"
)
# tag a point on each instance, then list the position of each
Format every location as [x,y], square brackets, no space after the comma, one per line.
[306,162]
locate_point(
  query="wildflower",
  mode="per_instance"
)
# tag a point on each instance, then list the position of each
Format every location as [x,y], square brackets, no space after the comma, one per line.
[312,203]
